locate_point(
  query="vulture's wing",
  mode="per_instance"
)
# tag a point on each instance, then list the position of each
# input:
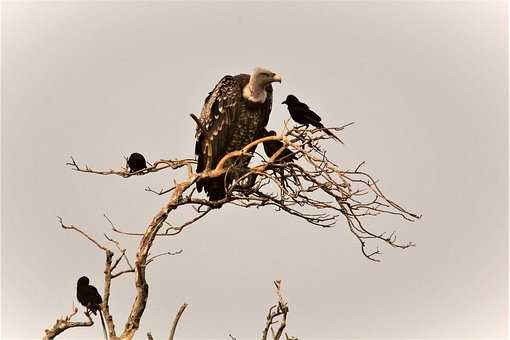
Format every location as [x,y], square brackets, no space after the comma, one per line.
[219,112]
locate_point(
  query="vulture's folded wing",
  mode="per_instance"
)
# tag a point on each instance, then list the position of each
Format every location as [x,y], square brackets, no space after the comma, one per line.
[218,116]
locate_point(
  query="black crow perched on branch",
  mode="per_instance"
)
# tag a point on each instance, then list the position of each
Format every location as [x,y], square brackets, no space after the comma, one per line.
[301,113]
[136,162]
[272,146]
[286,156]
[89,297]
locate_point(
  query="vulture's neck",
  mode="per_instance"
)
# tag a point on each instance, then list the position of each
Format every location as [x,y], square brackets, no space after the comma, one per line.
[254,92]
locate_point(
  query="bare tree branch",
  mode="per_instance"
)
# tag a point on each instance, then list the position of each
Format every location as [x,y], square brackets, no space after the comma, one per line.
[65,323]
[176,320]
[159,165]
[170,231]
[72,227]
[163,254]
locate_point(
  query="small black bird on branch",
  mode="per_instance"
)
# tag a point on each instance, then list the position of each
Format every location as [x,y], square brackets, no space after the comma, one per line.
[136,162]
[272,146]
[286,156]
[301,113]
[89,297]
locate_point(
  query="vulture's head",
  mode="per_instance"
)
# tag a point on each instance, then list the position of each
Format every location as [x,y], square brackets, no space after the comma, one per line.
[83,281]
[263,77]
[260,80]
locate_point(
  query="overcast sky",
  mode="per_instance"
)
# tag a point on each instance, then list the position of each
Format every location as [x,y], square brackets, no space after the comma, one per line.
[424,82]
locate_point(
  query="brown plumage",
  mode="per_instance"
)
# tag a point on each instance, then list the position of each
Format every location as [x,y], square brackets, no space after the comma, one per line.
[233,114]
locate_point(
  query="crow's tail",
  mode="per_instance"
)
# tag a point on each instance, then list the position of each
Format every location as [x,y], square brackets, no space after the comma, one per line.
[102,322]
[320,126]
[333,135]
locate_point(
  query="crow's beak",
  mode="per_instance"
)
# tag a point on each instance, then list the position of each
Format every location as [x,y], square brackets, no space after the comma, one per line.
[277,77]
[284,102]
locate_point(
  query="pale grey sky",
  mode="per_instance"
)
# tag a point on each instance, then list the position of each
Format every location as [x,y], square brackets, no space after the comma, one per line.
[425,82]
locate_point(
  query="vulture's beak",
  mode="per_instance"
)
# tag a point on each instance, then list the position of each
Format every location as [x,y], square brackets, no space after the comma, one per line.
[277,77]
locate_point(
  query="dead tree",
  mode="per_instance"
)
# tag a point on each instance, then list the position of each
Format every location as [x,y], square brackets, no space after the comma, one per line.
[312,188]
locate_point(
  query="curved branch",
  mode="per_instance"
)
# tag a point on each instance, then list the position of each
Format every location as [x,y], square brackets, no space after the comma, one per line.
[66,323]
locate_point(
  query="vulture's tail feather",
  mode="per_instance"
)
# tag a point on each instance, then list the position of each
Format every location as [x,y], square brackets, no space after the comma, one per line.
[215,188]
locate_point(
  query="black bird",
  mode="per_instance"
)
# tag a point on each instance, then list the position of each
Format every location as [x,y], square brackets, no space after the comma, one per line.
[301,113]
[272,146]
[136,162]
[286,156]
[89,297]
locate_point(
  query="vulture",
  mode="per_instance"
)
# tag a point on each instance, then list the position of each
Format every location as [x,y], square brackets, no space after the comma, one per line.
[301,114]
[89,297]
[233,115]
[136,162]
